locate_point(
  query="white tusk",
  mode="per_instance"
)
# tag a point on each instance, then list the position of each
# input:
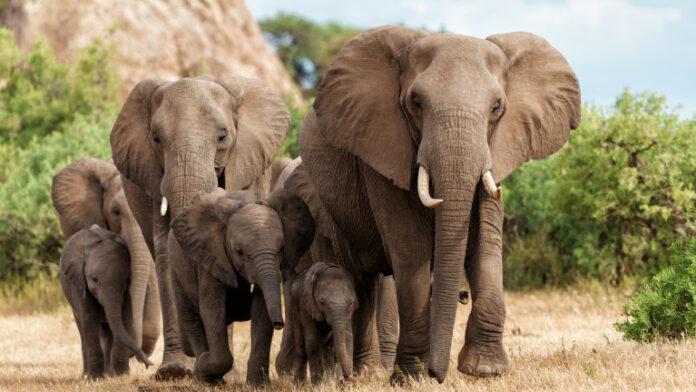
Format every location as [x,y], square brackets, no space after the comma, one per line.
[424,189]
[251,288]
[493,190]
[163,206]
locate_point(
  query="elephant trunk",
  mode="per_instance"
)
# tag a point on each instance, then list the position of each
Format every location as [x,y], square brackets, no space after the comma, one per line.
[114,315]
[267,275]
[141,266]
[190,172]
[344,358]
[457,155]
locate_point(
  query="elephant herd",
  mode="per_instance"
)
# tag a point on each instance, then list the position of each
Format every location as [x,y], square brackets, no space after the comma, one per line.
[364,239]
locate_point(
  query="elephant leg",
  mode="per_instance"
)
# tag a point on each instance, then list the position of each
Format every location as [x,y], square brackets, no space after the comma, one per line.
[152,315]
[483,353]
[387,321]
[120,358]
[300,360]
[107,340]
[366,346]
[93,356]
[191,329]
[406,230]
[287,354]
[175,364]
[213,364]
[261,336]
[313,345]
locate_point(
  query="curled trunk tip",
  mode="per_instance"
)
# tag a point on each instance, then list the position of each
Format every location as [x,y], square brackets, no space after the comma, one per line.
[424,189]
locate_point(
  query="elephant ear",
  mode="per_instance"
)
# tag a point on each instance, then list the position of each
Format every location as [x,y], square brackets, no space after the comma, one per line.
[543,103]
[358,106]
[309,283]
[298,225]
[78,193]
[262,123]
[74,256]
[201,231]
[131,146]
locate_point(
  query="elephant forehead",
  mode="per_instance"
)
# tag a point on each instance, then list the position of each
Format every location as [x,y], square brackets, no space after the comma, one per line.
[253,221]
[192,98]
[454,49]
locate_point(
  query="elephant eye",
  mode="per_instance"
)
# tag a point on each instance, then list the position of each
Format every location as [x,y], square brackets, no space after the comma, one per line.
[416,102]
[239,252]
[221,135]
[156,139]
[496,107]
[116,211]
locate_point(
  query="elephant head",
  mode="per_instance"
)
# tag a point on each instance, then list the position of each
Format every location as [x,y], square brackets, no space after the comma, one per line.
[328,295]
[89,192]
[235,234]
[96,263]
[176,139]
[455,109]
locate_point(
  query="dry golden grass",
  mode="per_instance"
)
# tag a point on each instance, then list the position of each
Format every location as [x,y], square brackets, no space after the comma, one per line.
[556,340]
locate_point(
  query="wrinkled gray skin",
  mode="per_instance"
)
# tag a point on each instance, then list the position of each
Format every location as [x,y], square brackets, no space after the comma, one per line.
[89,191]
[329,244]
[177,139]
[324,300]
[94,273]
[398,100]
[236,240]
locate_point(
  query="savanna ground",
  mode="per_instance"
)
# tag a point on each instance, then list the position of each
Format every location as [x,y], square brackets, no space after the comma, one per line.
[556,340]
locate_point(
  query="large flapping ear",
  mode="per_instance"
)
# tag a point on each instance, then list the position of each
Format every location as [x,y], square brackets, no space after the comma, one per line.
[131,146]
[277,168]
[543,103]
[201,230]
[309,282]
[358,106]
[262,123]
[298,225]
[78,193]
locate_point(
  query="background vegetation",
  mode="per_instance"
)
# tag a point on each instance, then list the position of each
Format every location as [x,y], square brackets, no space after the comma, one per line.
[606,208]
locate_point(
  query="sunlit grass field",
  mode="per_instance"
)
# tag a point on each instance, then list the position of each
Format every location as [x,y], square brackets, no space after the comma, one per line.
[556,340]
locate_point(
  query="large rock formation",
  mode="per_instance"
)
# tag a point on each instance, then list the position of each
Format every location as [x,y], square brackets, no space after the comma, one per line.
[163,38]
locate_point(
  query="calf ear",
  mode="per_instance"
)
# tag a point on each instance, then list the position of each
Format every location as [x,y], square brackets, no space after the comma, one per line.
[309,283]
[74,257]
[298,225]
[201,231]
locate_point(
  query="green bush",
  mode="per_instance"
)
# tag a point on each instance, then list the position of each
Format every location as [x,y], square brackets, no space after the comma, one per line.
[666,307]
[39,95]
[291,144]
[30,236]
[610,203]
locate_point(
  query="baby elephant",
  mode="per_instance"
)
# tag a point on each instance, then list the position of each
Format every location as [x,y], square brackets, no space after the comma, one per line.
[325,300]
[94,273]
[237,245]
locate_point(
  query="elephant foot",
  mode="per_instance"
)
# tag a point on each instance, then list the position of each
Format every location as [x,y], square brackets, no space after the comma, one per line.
[211,372]
[174,366]
[483,361]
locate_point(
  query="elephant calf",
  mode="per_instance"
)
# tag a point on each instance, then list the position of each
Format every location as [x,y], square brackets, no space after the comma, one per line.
[94,272]
[235,241]
[324,298]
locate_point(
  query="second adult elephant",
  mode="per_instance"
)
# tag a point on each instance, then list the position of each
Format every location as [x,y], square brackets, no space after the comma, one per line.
[174,140]
[462,113]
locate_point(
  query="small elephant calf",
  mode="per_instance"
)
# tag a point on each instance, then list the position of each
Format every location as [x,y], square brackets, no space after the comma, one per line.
[325,299]
[94,272]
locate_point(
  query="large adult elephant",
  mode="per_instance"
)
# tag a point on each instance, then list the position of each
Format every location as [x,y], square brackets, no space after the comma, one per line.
[173,140]
[89,192]
[462,113]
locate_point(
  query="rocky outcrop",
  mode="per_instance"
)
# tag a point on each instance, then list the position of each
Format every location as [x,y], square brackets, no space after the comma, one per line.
[163,38]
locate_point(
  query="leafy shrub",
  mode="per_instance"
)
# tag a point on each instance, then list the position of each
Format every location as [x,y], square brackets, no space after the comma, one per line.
[291,144]
[607,205]
[666,307]
[39,95]
[30,236]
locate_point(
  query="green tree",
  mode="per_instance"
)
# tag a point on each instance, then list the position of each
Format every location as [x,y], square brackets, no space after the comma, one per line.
[306,48]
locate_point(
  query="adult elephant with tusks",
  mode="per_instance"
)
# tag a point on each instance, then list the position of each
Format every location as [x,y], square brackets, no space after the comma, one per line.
[174,140]
[409,136]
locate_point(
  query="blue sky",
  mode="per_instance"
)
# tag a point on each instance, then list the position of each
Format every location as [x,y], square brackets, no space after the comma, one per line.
[611,44]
